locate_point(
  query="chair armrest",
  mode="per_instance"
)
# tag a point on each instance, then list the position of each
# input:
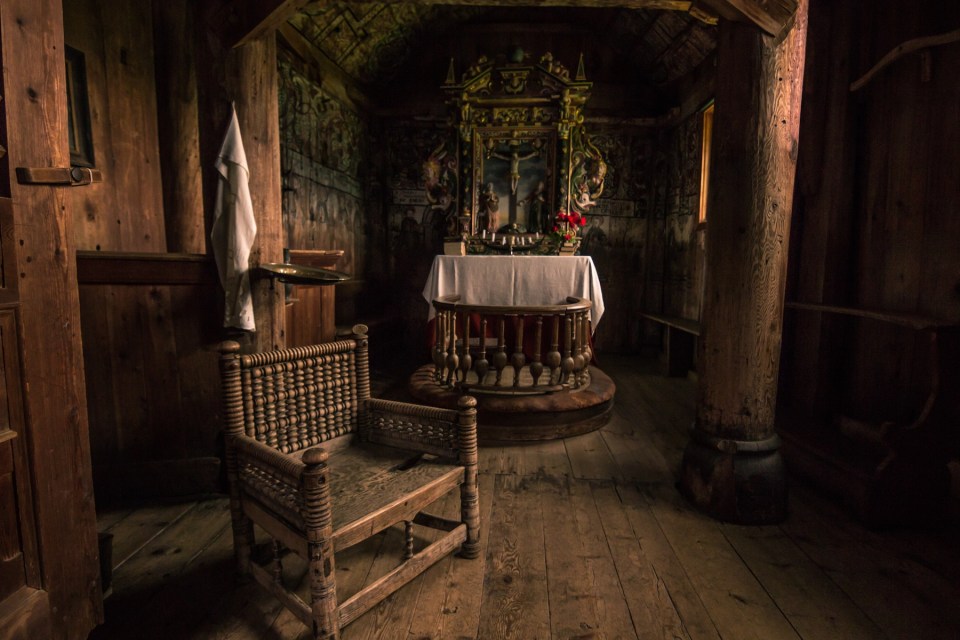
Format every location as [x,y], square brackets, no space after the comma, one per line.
[416,427]
[296,489]
[254,453]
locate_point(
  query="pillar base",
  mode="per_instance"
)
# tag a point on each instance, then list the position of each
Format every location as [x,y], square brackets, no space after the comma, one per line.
[740,481]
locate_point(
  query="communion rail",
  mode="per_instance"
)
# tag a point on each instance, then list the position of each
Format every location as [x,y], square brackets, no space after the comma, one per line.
[510,350]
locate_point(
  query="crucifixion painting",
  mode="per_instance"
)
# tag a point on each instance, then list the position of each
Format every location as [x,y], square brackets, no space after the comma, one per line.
[511,166]
[514,158]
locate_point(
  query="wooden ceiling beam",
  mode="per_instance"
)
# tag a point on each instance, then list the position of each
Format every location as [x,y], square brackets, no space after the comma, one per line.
[673,5]
[771,16]
[259,17]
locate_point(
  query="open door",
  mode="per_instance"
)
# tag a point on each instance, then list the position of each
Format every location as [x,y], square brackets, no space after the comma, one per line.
[49,571]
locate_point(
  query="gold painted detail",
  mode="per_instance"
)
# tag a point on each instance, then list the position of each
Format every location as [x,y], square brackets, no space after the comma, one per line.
[514,80]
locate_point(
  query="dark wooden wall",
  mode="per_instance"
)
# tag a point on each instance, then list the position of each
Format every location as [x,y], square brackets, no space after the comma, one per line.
[148,344]
[151,321]
[150,330]
[875,223]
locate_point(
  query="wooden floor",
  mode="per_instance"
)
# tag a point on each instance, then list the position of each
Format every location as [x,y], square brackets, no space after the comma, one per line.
[583,538]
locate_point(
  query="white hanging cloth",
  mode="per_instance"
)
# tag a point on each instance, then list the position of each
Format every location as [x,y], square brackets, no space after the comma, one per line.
[234,229]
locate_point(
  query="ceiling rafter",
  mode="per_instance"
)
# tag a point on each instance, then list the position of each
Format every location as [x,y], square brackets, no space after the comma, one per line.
[258,17]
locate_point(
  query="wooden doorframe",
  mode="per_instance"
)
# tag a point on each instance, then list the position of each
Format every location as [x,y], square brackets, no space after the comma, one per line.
[68,602]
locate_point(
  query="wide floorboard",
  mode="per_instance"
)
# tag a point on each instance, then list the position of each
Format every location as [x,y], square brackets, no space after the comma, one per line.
[582,538]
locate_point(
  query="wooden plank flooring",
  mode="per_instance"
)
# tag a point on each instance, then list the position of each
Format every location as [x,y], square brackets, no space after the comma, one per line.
[582,539]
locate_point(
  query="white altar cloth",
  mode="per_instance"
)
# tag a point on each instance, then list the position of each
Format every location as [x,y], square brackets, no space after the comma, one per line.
[515,281]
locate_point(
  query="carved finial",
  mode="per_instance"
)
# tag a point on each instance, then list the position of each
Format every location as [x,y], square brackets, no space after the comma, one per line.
[451,75]
[315,456]
[581,74]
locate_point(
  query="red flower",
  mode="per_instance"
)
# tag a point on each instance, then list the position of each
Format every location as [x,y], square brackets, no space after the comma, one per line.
[583,222]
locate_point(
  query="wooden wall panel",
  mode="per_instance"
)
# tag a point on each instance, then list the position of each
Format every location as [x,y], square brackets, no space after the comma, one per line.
[125,211]
[878,184]
[907,194]
[174,44]
[823,254]
[152,391]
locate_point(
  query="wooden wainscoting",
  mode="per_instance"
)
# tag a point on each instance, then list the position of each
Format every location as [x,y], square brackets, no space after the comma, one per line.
[150,326]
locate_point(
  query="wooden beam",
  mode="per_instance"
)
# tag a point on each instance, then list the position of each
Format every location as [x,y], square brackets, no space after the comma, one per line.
[252,19]
[771,16]
[110,267]
[179,126]
[48,318]
[260,17]
[670,5]
[910,46]
[253,83]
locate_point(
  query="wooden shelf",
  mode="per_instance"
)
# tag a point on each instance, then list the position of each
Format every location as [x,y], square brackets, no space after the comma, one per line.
[679,344]
[690,326]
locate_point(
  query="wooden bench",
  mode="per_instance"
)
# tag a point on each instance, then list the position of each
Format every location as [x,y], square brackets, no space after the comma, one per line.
[319,465]
[679,342]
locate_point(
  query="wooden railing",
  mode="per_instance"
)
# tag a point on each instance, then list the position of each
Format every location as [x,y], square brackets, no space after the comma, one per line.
[512,350]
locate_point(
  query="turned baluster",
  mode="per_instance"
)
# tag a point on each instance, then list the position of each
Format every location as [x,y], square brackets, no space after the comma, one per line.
[439,340]
[578,358]
[276,437]
[483,364]
[466,360]
[500,357]
[453,360]
[553,357]
[567,363]
[536,367]
[587,350]
[518,359]
[277,562]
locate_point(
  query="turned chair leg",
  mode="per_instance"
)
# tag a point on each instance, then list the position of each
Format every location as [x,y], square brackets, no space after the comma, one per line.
[408,529]
[469,500]
[277,564]
[242,539]
[319,528]
[470,515]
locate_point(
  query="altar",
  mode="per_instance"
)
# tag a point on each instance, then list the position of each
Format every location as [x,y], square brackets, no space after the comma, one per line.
[515,281]
[515,332]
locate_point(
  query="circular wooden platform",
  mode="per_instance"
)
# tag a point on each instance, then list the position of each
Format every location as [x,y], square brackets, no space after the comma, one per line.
[526,418]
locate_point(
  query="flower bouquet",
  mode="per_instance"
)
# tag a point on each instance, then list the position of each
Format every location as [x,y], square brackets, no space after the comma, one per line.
[566,226]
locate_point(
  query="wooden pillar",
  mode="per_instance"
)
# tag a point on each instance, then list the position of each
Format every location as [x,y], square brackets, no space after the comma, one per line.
[38,286]
[179,129]
[732,467]
[246,75]
[253,82]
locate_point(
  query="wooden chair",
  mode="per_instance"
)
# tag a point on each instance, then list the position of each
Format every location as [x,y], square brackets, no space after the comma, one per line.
[381,463]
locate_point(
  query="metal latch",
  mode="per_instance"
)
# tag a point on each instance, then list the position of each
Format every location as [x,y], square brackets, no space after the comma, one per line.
[59,176]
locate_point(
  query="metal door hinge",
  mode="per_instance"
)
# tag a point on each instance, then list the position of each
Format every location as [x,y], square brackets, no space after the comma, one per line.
[59,176]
